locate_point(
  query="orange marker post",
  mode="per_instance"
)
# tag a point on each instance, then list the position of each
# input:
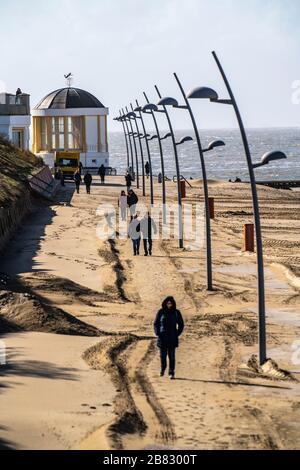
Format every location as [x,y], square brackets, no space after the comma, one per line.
[183,189]
[211,203]
[249,238]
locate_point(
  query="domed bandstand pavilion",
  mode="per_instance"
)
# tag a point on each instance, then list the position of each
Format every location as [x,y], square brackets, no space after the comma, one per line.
[71,120]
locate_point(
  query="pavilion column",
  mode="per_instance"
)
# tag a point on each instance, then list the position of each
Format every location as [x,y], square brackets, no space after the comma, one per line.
[34,146]
[49,133]
[99,134]
[106,135]
[66,133]
[84,144]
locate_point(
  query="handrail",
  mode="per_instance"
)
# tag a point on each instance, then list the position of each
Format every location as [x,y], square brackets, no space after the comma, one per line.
[35,179]
[182,178]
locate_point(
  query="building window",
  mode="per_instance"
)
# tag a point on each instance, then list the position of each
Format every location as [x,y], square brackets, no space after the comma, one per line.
[18,138]
[44,137]
[66,133]
[74,133]
[58,133]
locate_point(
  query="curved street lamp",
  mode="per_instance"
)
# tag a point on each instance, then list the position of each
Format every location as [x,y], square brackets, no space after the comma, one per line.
[214,144]
[164,102]
[138,110]
[212,95]
[153,137]
[131,116]
[119,119]
[269,157]
[151,109]
[169,101]
[184,140]
[125,120]
[138,136]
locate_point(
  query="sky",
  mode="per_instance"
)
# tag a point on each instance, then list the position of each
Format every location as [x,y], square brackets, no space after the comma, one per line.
[117,49]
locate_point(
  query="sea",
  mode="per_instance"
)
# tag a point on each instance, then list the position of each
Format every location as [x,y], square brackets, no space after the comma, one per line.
[223,163]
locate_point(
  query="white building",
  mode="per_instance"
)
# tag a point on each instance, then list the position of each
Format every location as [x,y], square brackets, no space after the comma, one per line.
[15,118]
[71,120]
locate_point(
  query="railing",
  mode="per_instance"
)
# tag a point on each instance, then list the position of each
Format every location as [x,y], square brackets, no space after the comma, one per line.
[182,178]
[43,183]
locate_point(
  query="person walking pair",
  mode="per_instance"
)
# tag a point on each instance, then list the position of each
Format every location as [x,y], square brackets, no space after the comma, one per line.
[142,228]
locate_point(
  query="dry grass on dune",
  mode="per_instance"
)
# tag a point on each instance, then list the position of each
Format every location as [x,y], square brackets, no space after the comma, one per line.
[15,167]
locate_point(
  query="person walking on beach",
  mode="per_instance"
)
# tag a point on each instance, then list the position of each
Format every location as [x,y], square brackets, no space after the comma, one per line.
[135,235]
[88,181]
[101,173]
[128,179]
[77,179]
[132,201]
[148,227]
[168,326]
[147,169]
[122,203]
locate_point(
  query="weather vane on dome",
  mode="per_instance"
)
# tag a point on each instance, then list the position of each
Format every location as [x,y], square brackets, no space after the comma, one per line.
[69,79]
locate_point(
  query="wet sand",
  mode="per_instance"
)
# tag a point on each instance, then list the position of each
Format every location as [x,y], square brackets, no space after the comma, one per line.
[212,404]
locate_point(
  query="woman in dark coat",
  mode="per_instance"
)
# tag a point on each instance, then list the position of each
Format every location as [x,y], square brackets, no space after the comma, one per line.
[77,179]
[168,326]
[88,181]
[128,179]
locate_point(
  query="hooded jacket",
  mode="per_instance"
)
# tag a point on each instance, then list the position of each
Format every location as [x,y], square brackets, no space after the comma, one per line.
[168,325]
[132,199]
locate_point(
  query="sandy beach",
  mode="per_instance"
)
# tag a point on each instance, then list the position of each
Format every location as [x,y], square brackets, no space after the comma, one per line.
[93,382]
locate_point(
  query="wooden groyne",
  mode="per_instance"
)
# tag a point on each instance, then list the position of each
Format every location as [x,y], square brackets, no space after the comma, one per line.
[284,184]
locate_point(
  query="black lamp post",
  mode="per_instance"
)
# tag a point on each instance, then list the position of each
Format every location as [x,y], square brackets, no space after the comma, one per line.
[173,102]
[208,93]
[125,120]
[138,110]
[131,116]
[164,102]
[138,136]
[150,109]
[119,119]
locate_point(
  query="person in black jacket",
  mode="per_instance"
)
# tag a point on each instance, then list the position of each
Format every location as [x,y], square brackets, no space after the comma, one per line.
[148,227]
[102,173]
[132,201]
[88,181]
[77,179]
[147,169]
[128,179]
[168,326]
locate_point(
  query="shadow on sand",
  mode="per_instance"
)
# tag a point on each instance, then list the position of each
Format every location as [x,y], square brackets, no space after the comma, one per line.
[240,384]
[17,367]
[21,251]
